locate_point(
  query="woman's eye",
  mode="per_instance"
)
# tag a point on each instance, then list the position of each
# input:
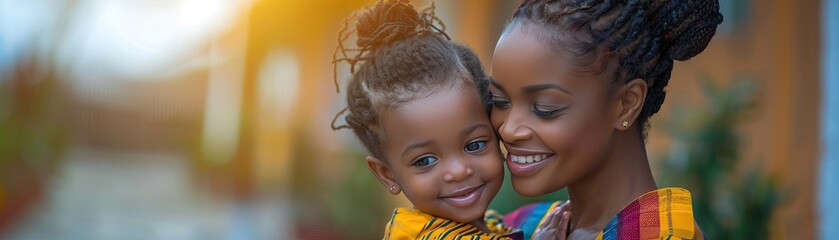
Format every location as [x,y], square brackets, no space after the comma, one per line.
[543,112]
[475,146]
[425,161]
[499,102]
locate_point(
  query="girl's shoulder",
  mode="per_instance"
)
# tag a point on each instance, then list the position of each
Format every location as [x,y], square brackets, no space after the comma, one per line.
[408,223]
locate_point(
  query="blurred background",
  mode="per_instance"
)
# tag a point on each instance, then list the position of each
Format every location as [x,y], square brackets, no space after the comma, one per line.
[188,119]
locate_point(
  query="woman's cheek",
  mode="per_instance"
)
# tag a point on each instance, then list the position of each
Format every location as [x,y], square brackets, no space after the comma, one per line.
[496,118]
[572,139]
[559,137]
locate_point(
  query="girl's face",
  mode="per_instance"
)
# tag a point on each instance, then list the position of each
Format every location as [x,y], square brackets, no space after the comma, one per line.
[442,153]
[555,120]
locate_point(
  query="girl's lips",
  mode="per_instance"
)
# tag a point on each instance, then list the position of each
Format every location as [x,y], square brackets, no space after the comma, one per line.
[526,169]
[467,198]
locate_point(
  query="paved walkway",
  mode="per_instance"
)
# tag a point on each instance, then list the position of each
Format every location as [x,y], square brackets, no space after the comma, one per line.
[133,195]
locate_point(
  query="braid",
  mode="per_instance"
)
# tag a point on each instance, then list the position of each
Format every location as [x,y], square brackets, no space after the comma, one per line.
[400,55]
[473,65]
[643,37]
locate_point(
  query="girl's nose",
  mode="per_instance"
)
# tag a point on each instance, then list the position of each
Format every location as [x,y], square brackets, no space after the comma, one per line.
[458,170]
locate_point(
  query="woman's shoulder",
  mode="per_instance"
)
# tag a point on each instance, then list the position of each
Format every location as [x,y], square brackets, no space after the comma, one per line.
[662,213]
[519,216]
[527,217]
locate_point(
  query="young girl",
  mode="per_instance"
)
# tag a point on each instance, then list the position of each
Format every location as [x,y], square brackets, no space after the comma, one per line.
[418,103]
[575,84]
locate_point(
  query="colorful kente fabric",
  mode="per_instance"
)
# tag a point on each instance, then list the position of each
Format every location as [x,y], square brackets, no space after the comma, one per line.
[414,224]
[661,214]
[665,213]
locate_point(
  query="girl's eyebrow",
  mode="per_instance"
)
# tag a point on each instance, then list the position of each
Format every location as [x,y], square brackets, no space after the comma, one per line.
[473,128]
[425,143]
[415,146]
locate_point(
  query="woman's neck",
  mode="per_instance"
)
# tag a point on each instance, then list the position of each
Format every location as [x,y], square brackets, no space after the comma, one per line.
[624,176]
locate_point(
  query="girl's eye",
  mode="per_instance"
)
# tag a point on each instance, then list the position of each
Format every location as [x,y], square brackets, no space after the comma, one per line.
[425,161]
[546,112]
[475,146]
[499,102]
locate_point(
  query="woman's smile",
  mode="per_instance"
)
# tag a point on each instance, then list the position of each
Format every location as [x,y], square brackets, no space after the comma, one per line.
[523,163]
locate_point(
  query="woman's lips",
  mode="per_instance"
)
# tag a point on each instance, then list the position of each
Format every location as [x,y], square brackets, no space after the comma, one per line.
[528,158]
[526,165]
[466,197]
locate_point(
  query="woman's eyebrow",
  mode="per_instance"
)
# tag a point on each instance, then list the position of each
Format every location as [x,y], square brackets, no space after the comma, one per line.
[544,86]
[496,84]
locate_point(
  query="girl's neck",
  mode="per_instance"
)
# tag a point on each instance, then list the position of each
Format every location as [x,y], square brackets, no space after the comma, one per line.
[481,225]
[624,176]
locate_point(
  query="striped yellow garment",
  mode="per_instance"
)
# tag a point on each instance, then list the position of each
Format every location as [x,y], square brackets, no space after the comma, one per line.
[414,224]
[661,214]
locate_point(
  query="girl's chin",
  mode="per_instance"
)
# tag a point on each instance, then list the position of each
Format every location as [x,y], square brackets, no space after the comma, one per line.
[468,219]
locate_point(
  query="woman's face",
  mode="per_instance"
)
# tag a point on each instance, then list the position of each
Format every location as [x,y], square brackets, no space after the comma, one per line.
[555,120]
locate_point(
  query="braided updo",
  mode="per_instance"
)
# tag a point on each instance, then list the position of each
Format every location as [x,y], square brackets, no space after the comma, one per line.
[401,55]
[640,38]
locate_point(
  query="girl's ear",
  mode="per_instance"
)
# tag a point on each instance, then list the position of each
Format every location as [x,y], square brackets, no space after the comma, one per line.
[384,174]
[631,98]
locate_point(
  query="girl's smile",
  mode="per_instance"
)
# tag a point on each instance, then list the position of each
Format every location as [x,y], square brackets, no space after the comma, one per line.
[464,197]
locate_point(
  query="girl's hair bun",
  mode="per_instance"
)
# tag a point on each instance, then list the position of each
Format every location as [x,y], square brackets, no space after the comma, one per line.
[389,21]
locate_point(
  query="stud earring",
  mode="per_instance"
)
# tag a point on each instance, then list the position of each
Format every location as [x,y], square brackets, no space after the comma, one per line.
[625,124]
[392,187]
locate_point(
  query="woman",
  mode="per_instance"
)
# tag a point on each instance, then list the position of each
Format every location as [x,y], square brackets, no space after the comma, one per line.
[575,84]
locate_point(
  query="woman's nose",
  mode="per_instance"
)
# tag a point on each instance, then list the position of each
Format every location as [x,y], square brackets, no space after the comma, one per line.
[513,129]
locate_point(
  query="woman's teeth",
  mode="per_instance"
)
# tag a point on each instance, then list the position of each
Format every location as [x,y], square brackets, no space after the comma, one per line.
[528,159]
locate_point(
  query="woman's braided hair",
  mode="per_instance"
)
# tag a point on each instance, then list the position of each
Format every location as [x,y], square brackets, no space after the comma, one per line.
[640,38]
[401,55]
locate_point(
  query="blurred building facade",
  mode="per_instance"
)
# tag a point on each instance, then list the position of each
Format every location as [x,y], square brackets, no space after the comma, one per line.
[245,101]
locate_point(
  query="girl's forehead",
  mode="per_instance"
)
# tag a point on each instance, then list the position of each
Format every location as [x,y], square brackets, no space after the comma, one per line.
[438,117]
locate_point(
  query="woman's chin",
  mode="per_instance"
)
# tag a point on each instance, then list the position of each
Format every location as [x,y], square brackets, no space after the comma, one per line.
[528,187]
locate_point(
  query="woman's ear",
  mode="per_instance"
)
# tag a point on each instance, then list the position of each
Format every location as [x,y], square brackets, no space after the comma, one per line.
[631,98]
[384,174]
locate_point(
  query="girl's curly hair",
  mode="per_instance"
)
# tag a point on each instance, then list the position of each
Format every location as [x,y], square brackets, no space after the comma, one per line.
[400,55]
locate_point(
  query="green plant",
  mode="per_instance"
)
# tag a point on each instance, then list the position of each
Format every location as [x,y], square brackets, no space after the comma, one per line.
[360,206]
[730,202]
